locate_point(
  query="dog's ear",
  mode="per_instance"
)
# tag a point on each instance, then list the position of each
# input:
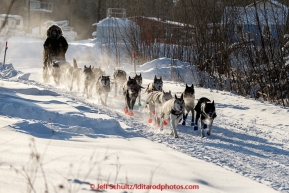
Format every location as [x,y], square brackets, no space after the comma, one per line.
[160,78]
[186,85]
[155,76]
[85,66]
[213,103]
[140,74]
[170,91]
[192,85]
[129,78]
[90,66]
[182,96]
[176,96]
[163,92]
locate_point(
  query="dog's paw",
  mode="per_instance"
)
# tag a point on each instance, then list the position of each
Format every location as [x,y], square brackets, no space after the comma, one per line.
[203,136]
[131,113]
[205,126]
[125,110]
[176,136]
[184,123]
[165,122]
[208,133]
[192,124]
[195,128]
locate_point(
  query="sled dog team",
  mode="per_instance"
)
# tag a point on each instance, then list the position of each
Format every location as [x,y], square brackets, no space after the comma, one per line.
[162,106]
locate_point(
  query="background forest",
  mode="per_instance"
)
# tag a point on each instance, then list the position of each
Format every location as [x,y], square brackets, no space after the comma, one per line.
[236,44]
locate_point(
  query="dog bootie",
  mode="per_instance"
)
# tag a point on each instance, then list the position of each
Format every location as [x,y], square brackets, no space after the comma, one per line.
[205,126]
[184,122]
[130,113]
[154,112]
[192,124]
[150,120]
[195,127]
[125,110]
[139,105]
[165,122]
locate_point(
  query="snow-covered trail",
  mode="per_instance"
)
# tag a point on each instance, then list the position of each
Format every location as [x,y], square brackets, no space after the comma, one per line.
[248,137]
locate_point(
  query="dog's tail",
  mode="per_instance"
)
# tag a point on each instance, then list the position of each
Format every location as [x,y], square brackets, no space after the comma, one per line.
[74,64]
[147,88]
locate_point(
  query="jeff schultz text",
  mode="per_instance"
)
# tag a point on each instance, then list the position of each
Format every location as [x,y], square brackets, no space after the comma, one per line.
[143,187]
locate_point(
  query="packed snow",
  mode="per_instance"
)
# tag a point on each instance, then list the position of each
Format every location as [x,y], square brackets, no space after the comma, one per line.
[58,140]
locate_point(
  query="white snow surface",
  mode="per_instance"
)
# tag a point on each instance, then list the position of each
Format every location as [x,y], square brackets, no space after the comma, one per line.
[80,143]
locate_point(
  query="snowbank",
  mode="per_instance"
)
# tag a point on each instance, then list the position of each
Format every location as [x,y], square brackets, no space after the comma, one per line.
[7,71]
[169,69]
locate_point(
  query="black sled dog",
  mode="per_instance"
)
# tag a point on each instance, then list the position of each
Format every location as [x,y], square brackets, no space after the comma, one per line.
[207,111]
[130,90]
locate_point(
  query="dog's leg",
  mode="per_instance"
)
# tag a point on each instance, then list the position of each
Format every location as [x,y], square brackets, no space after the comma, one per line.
[127,101]
[131,106]
[115,89]
[85,91]
[99,96]
[196,123]
[99,99]
[151,107]
[162,121]
[178,120]
[106,95]
[78,84]
[156,120]
[210,128]
[202,129]
[139,98]
[102,102]
[193,118]
[173,125]
[71,83]
[185,115]
[157,114]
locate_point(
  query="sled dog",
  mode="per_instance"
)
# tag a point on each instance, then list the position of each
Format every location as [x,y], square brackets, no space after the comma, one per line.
[103,87]
[173,110]
[130,93]
[69,74]
[154,101]
[189,98]
[139,82]
[119,77]
[97,72]
[58,70]
[89,80]
[206,110]
[156,85]
[73,75]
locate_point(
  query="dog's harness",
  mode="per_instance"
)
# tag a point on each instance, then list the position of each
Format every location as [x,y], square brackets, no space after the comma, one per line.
[177,113]
[204,113]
